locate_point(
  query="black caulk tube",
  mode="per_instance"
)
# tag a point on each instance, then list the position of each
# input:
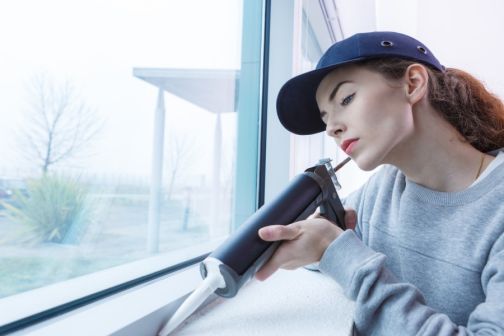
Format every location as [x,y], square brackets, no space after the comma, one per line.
[241,255]
[237,260]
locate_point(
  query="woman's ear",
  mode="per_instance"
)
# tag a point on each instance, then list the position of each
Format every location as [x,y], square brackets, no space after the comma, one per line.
[417,79]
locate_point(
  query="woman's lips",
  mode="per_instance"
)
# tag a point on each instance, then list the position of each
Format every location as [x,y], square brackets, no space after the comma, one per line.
[348,145]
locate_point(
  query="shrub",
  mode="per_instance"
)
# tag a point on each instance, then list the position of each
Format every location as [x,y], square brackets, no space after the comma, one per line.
[52,209]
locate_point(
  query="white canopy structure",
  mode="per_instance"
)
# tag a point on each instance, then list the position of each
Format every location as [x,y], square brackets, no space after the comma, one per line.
[206,88]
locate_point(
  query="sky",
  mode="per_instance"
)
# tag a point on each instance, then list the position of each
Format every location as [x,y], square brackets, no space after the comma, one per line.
[95,45]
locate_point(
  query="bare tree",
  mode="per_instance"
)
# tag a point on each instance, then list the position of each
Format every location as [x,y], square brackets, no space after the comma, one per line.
[180,152]
[59,123]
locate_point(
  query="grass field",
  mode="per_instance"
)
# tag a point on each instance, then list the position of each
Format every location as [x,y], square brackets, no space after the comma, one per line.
[117,237]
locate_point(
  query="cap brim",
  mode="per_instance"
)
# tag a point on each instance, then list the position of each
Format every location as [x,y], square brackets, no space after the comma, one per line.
[297,107]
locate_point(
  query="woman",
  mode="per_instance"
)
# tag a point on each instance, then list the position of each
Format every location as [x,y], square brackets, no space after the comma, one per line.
[426,255]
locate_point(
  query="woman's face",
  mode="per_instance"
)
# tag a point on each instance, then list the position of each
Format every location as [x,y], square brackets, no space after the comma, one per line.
[368,115]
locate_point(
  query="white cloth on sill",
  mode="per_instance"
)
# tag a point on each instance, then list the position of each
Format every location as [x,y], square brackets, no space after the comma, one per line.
[297,302]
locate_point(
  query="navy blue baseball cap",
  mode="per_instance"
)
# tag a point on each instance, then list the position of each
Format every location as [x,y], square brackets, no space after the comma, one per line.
[296,105]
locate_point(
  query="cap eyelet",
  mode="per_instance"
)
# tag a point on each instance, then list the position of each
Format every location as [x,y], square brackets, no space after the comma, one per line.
[387,43]
[422,50]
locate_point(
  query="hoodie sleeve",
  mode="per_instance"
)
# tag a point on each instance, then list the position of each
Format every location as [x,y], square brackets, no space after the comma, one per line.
[385,306]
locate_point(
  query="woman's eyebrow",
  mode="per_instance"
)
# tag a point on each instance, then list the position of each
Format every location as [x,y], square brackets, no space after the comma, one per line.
[335,90]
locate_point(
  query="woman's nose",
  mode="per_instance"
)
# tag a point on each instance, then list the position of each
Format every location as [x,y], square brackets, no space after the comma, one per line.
[334,127]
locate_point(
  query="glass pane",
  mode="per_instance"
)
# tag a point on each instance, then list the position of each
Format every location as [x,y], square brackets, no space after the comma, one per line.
[118,128]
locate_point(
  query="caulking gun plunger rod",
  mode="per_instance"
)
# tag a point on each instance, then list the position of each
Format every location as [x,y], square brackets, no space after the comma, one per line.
[341,164]
[237,260]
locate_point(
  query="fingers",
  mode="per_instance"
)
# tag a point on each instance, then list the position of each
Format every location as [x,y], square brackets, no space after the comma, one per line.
[350,218]
[267,270]
[303,243]
[280,232]
[274,233]
[282,258]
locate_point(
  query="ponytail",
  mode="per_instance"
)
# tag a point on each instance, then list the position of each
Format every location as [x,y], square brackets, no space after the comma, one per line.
[465,102]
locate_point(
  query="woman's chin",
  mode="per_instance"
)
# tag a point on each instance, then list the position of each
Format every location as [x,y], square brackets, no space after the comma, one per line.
[365,164]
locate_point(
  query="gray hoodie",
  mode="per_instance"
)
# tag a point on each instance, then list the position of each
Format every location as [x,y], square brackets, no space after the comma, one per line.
[423,262]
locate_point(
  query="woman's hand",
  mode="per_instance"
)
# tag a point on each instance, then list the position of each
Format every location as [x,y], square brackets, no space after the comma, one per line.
[304,242]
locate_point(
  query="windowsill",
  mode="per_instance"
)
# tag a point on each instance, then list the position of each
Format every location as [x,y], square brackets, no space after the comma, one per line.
[299,302]
[296,302]
[148,305]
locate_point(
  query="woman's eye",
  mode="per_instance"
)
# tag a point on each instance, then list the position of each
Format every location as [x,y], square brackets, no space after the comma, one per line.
[347,99]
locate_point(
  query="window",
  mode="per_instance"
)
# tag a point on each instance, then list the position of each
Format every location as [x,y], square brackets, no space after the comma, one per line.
[120,124]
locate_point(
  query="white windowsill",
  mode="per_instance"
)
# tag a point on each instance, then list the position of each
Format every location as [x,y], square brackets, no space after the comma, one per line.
[296,302]
[148,305]
[299,302]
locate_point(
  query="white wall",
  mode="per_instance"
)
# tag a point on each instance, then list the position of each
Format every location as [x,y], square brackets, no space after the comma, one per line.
[461,33]
[356,16]
[467,35]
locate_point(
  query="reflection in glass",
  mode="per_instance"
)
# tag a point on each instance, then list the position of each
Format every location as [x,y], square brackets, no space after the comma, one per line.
[118,138]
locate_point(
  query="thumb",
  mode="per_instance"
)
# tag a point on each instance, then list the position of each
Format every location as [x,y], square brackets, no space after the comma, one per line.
[350,218]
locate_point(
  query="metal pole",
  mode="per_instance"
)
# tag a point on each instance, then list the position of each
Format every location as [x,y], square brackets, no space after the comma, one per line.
[215,223]
[156,176]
